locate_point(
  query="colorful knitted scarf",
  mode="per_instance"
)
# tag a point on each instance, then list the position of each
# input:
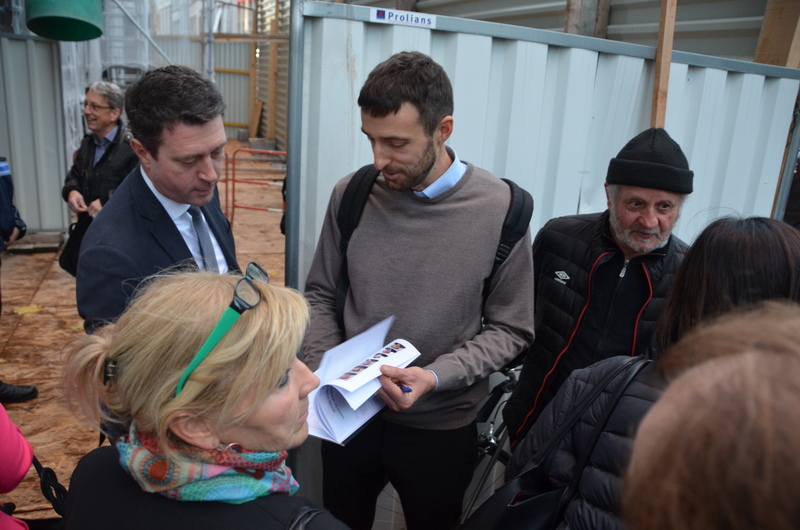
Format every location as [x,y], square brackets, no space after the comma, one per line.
[202,475]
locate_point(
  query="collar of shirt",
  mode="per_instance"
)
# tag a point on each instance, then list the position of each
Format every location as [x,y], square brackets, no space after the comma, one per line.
[102,145]
[448,179]
[107,139]
[174,209]
[179,213]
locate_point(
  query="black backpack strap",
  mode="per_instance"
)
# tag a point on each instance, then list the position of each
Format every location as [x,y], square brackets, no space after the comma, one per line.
[347,218]
[516,223]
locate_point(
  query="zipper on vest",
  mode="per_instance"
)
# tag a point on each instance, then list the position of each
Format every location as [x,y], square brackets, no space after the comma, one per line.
[624,268]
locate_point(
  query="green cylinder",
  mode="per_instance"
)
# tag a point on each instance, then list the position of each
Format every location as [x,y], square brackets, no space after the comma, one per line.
[71,20]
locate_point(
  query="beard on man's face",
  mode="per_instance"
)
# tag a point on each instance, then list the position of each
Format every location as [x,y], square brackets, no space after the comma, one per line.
[415,175]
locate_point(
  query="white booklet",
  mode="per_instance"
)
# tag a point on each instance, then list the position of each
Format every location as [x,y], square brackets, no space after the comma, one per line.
[348,393]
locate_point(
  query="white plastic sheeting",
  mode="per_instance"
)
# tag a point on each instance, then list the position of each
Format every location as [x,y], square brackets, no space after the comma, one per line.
[31,133]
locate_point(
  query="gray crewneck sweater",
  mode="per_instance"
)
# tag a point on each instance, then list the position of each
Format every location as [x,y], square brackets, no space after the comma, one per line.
[425,261]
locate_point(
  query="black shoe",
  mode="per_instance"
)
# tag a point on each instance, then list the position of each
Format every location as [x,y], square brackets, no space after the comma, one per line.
[16,393]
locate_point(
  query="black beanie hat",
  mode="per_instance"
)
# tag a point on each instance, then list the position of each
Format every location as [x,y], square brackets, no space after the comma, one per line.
[652,160]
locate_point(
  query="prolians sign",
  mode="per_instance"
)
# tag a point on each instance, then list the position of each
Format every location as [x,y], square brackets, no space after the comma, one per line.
[405,18]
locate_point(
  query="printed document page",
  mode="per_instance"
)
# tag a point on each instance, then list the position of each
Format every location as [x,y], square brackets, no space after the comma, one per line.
[347,396]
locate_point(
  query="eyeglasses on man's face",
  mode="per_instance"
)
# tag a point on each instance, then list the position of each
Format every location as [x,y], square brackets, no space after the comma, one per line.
[94,106]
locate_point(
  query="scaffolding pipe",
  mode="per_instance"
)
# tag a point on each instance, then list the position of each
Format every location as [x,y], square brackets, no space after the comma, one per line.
[295,117]
[208,42]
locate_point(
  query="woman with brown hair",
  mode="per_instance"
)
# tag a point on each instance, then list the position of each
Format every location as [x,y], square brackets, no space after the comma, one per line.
[204,367]
[732,266]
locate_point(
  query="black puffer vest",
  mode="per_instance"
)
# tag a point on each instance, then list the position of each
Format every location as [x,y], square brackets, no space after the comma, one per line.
[566,254]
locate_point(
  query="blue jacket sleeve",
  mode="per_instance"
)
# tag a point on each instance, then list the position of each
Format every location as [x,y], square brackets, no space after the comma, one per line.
[9,215]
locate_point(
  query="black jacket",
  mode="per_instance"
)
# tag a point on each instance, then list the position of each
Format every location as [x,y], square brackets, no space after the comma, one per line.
[100,181]
[596,505]
[102,495]
[575,258]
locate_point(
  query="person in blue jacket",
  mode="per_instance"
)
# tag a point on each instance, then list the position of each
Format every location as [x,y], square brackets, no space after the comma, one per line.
[12,228]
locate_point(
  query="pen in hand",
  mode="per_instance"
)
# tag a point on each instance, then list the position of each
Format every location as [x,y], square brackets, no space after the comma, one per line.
[403,387]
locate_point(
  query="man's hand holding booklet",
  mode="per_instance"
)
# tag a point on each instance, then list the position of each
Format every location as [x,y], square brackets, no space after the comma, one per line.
[347,396]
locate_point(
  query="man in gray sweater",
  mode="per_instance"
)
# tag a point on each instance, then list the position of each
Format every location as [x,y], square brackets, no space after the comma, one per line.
[423,250]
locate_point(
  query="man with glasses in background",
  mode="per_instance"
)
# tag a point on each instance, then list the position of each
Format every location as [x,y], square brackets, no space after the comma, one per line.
[167,210]
[101,162]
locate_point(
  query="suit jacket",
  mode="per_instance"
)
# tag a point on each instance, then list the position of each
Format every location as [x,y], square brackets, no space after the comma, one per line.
[132,238]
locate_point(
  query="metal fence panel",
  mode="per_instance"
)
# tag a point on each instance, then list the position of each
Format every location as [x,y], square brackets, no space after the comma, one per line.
[549,111]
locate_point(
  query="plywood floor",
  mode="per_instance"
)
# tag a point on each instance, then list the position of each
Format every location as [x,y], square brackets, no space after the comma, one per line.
[39,316]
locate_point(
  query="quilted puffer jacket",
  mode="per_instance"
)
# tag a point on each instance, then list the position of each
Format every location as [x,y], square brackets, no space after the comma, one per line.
[596,505]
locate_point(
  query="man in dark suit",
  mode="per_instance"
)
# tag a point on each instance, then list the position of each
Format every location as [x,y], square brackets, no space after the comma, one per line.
[165,210]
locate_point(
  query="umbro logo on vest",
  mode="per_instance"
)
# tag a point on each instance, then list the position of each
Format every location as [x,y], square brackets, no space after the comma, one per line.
[561,277]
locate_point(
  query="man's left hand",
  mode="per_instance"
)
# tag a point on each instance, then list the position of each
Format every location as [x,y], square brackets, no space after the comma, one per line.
[94,207]
[418,380]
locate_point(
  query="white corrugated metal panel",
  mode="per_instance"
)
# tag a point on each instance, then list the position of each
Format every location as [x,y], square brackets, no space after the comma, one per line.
[722,28]
[31,134]
[547,110]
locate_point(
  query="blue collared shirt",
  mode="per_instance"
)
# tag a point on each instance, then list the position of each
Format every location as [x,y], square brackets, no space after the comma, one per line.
[102,145]
[448,179]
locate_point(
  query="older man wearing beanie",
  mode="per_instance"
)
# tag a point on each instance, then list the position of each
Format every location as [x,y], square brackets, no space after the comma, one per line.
[600,279]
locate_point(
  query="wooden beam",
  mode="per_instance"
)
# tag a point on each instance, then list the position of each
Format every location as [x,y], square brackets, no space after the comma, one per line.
[666,32]
[255,118]
[255,104]
[601,21]
[587,17]
[779,38]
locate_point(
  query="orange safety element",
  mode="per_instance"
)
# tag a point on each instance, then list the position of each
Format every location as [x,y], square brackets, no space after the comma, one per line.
[230,198]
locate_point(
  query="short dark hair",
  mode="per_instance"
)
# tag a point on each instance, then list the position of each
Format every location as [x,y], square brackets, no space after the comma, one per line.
[411,77]
[166,96]
[733,265]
